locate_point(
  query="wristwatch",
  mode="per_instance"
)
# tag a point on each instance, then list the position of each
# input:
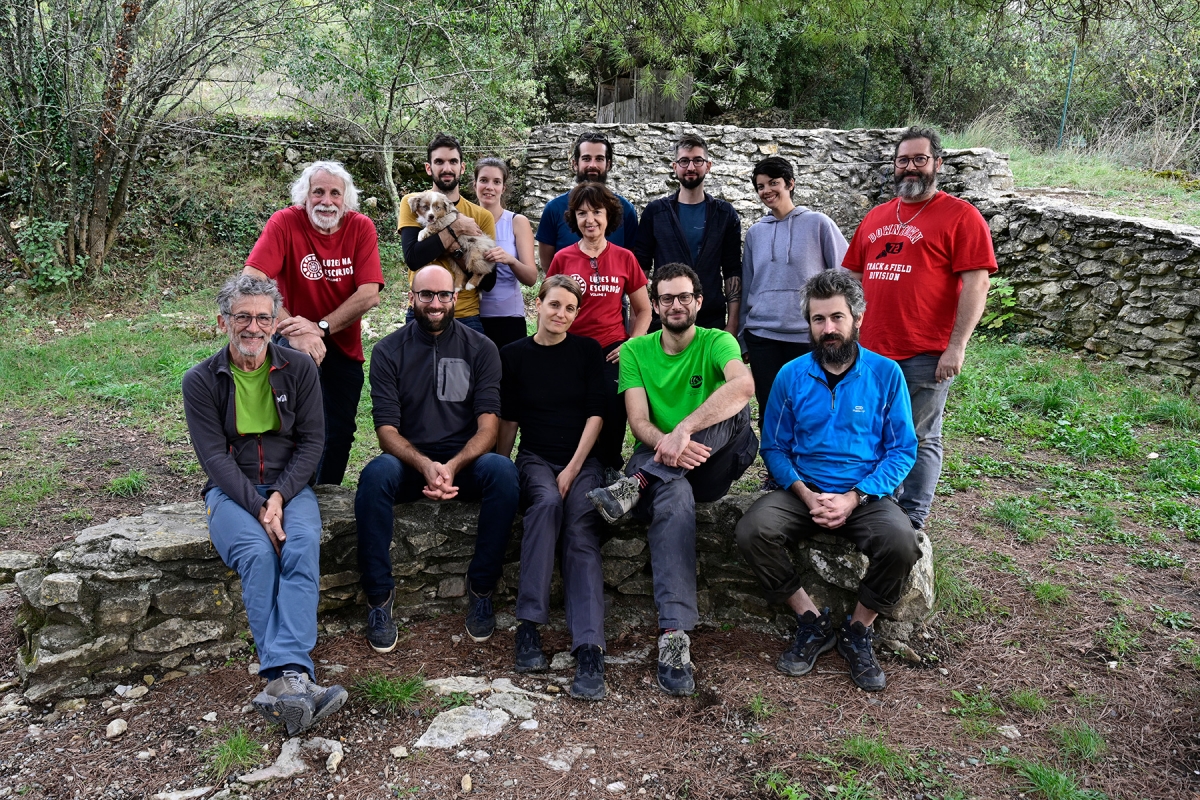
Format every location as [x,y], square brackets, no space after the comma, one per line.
[324,326]
[863,497]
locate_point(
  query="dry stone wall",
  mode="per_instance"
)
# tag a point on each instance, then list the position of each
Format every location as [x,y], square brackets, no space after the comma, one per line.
[149,593]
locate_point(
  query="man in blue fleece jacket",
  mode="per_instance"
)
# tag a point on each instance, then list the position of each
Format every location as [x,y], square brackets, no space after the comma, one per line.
[838,437]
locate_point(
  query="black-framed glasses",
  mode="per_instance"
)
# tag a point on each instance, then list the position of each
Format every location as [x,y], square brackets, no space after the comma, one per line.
[683,163]
[667,300]
[242,320]
[916,161]
[426,296]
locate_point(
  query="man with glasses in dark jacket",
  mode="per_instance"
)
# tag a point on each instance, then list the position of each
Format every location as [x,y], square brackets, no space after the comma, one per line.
[692,227]
[255,418]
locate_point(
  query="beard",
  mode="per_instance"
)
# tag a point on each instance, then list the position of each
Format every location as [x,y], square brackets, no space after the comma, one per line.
[679,326]
[434,326]
[691,182]
[446,184]
[835,350]
[909,190]
[591,175]
[258,339]
[319,223]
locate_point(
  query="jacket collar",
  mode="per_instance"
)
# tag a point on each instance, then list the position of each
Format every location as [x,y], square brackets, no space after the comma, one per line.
[817,371]
[425,337]
[221,364]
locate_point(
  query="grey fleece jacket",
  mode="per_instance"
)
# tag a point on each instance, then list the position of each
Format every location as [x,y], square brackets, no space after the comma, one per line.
[779,257]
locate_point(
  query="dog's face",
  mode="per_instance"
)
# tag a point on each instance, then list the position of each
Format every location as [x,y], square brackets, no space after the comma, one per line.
[428,207]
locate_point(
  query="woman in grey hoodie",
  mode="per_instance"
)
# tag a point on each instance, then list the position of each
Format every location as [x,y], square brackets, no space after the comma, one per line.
[783,250]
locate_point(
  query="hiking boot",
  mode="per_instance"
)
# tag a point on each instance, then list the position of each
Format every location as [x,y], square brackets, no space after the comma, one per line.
[481,619]
[328,699]
[529,655]
[854,643]
[814,636]
[287,701]
[381,630]
[616,500]
[589,673]
[675,664]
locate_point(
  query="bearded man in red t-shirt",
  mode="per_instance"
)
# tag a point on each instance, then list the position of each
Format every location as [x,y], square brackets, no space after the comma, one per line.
[324,256]
[924,260]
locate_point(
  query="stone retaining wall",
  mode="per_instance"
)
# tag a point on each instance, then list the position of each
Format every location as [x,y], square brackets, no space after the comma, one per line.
[149,593]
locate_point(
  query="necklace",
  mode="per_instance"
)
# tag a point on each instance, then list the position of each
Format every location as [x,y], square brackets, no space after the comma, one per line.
[899,202]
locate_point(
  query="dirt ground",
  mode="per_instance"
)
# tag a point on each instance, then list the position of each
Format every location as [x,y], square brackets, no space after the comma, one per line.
[746,722]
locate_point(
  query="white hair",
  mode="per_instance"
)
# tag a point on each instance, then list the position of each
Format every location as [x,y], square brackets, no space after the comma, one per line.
[334,168]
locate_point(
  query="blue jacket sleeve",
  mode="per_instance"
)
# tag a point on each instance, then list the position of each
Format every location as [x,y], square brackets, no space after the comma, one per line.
[899,440]
[779,432]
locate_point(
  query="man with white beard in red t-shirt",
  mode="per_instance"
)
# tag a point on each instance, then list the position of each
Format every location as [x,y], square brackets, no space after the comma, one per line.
[324,256]
[924,260]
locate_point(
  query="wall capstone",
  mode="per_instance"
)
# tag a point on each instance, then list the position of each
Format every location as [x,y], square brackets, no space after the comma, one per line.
[149,593]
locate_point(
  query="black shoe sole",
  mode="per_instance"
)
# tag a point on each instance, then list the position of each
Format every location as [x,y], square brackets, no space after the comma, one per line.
[294,713]
[796,673]
[681,692]
[539,666]
[579,695]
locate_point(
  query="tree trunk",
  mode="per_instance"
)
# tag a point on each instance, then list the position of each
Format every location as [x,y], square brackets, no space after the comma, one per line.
[385,159]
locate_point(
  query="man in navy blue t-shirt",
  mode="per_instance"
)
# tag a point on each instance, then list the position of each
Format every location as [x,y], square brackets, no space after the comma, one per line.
[591,160]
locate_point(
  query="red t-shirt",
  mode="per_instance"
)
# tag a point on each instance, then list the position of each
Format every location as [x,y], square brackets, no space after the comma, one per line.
[617,273]
[910,271]
[317,273]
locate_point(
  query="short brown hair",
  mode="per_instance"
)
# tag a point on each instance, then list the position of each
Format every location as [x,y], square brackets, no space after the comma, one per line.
[598,196]
[561,282]
[671,271]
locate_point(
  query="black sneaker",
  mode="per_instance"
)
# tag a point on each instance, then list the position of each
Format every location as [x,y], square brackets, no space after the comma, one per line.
[814,636]
[617,500]
[381,631]
[481,619]
[287,701]
[854,643]
[529,655]
[328,699]
[589,673]
[675,664]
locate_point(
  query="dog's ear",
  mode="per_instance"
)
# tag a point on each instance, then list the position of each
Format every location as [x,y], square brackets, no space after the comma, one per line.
[414,201]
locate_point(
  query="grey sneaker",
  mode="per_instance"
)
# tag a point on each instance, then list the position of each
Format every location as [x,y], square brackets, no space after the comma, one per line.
[328,699]
[589,673]
[814,636]
[615,501]
[381,630]
[675,664]
[854,643]
[287,701]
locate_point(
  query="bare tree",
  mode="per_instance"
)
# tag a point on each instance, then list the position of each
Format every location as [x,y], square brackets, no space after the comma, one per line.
[86,81]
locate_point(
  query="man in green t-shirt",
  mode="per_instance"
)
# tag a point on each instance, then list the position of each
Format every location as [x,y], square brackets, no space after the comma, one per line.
[687,394]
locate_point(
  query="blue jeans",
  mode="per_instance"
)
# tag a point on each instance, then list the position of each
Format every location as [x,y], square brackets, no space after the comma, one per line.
[928,397]
[492,480]
[280,592]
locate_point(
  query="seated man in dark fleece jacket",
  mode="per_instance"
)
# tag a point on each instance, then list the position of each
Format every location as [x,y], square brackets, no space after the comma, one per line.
[435,388]
[256,421]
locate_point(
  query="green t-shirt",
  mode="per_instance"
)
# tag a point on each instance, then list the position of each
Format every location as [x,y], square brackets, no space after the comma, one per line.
[253,400]
[677,385]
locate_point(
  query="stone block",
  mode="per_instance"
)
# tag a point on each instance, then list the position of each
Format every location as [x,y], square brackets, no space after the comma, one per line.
[122,605]
[61,587]
[454,586]
[617,570]
[14,561]
[622,548]
[191,599]
[29,585]
[177,633]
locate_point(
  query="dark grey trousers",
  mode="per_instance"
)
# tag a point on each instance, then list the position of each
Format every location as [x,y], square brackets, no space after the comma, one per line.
[547,517]
[670,503]
[880,530]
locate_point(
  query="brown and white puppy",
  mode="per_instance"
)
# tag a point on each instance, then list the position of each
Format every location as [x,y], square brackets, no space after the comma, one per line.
[435,212]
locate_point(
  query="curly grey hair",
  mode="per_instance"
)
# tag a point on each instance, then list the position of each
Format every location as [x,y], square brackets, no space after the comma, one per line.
[832,283]
[334,168]
[245,286]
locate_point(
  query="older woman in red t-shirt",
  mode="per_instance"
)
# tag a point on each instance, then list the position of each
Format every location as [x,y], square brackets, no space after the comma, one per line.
[606,273]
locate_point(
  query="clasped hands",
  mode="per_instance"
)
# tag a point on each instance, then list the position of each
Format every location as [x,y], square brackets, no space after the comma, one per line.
[303,335]
[828,509]
[676,449]
[270,516]
[439,481]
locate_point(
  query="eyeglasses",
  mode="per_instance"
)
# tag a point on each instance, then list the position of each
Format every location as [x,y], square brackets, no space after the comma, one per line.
[595,265]
[426,296]
[668,300]
[916,161]
[683,163]
[263,320]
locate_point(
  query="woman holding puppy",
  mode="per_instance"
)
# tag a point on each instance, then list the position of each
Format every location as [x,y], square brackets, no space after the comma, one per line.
[502,309]
[605,272]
